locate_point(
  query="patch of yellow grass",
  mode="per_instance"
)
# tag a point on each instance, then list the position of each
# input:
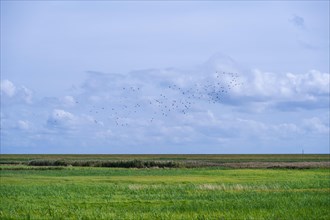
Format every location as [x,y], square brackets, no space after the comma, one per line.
[236,187]
[141,187]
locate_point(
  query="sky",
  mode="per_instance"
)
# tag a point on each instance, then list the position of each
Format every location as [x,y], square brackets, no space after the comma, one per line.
[165,77]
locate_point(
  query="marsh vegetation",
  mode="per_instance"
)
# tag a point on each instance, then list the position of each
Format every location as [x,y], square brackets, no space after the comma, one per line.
[213,192]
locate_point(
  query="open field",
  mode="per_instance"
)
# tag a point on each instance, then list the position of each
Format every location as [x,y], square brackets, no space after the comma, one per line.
[195,160]
[70,192]
[179,157]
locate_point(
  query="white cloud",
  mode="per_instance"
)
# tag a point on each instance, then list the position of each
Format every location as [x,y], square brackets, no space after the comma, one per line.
[16,94]
[287,91]
[254,89]
[177,107]
[8,88]
[313,82]
[288,85]
[61,118]
[261,90]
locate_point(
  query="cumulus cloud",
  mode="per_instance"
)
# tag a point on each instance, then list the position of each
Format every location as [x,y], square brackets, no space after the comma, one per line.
[285,90]
[12,93]
[61,118]
[111,100]
[288,85]
[8,88]
[217,104]
[259,89]
[255,89]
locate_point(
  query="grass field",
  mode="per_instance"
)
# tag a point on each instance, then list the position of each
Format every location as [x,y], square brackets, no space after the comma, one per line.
[67,192]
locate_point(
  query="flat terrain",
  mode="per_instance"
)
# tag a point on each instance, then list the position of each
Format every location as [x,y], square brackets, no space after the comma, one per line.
[208,192]
[195,160]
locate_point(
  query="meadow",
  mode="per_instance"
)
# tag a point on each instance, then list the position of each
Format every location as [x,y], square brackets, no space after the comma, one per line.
[201,192]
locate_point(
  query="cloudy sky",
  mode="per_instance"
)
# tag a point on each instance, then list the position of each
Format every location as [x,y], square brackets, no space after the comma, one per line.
[164,77]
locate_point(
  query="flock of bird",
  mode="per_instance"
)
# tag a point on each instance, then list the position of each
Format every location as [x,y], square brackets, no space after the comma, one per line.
[133,100]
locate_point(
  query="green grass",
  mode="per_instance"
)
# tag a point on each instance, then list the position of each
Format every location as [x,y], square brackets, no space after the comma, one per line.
[28,192]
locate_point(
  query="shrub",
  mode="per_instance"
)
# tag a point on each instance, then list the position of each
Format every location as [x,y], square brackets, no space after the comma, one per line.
[118,163]
[48,163]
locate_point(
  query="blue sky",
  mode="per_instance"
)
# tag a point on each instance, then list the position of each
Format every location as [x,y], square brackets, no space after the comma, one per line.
[164,77]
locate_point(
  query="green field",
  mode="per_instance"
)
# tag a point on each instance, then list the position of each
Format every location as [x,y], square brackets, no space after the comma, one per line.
[216,192]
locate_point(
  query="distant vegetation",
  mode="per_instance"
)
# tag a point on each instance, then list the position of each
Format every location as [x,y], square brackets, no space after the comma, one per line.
[291,161]
[100,163]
